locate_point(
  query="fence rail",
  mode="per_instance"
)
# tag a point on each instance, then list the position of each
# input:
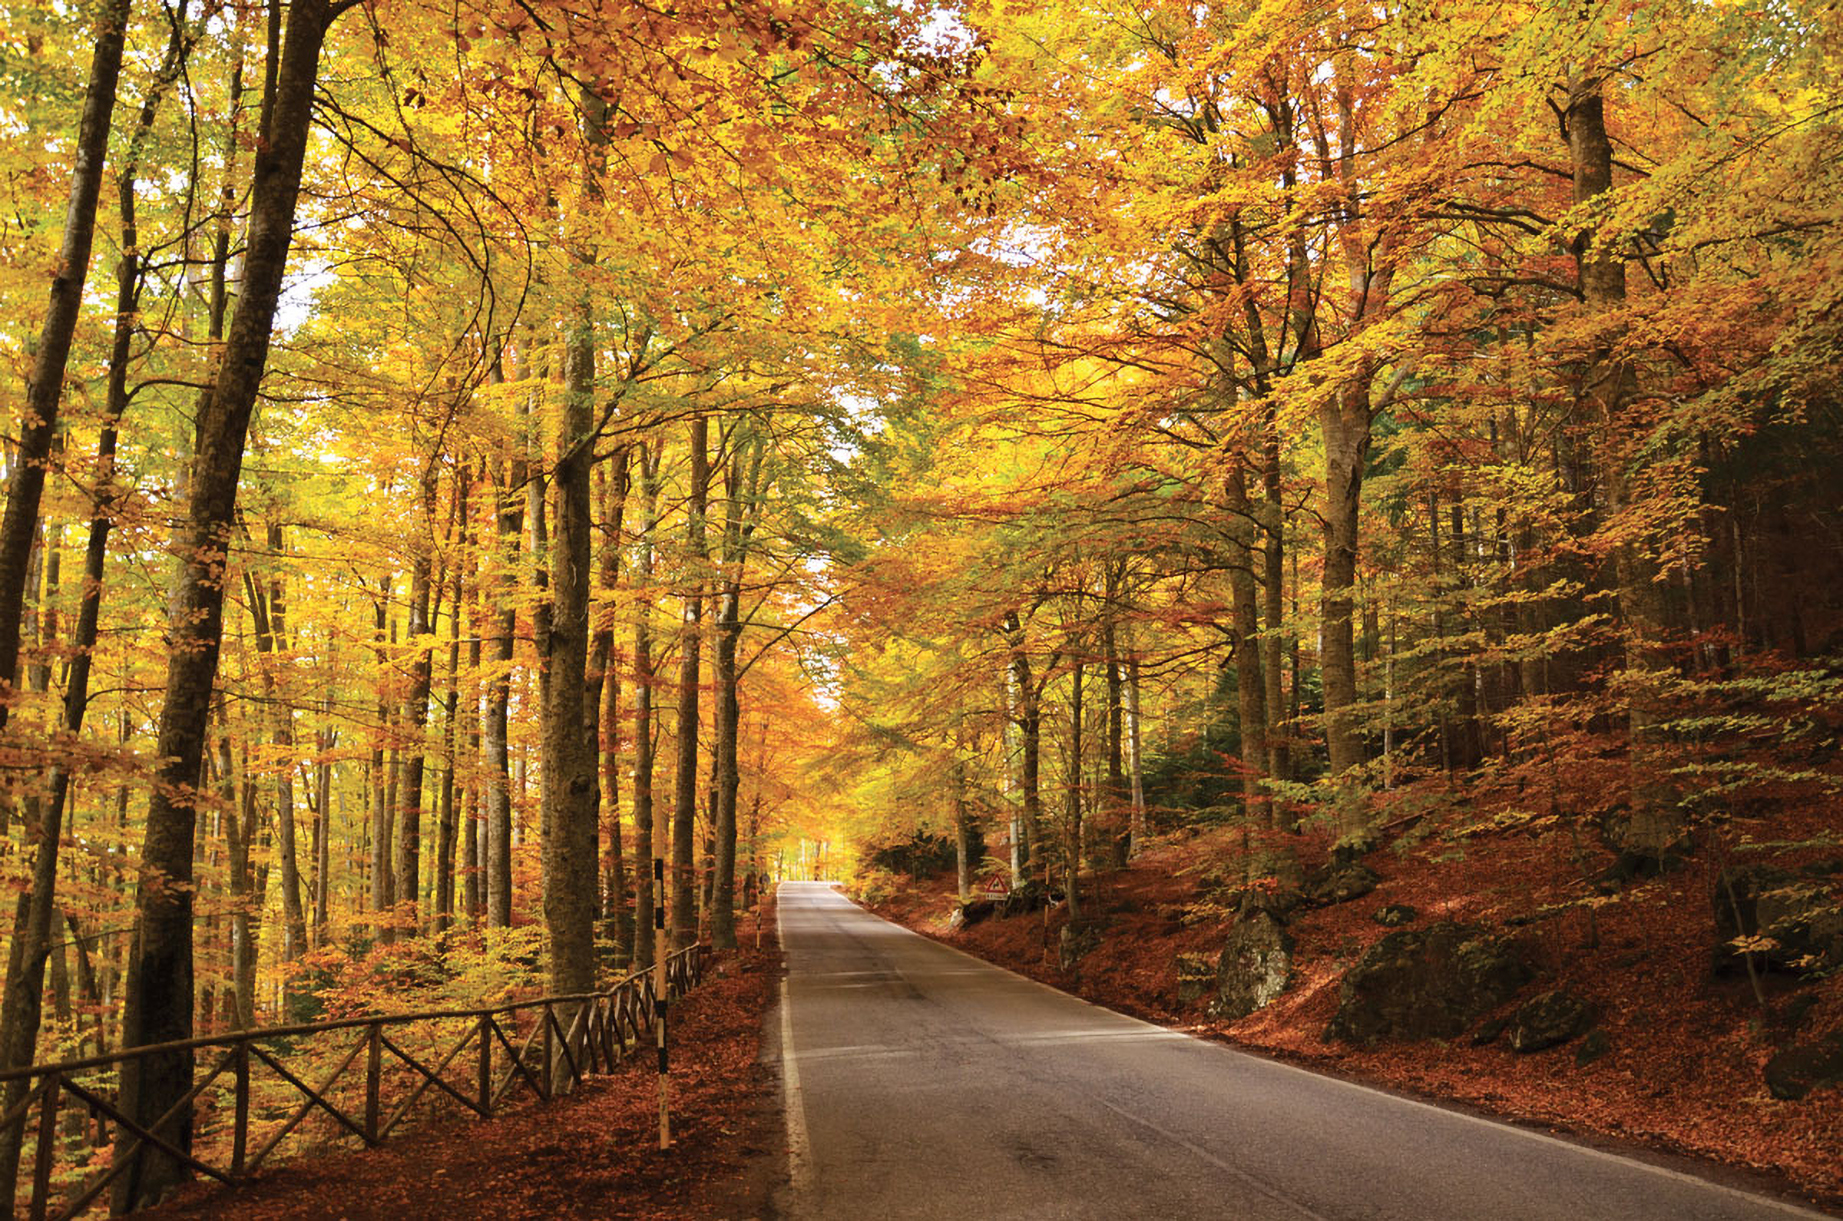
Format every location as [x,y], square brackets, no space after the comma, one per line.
[76,1141]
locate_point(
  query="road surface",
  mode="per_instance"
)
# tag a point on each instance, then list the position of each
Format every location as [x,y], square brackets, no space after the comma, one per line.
[922,1083]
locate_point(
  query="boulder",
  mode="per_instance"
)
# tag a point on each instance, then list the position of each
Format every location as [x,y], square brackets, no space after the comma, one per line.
[1196,977]
[1647,842]
[1273,882]
[1488,1032]
[1353,846]
[1255,967]
[1547,1020]
[1394,915]
[1427,983]
[1032,896]
[1803,1067]
[1335,883]
[1593,1045]
[970,913]
[1800,915]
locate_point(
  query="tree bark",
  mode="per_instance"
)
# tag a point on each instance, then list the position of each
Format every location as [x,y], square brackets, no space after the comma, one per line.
[645,898]
[451,708]
[383,812]
[569,749]
[1250,681]
[412,760]
[1030,728]
[21,1009]
[45,389]
[499,693]
[685,787]
[742,501]
[160,986]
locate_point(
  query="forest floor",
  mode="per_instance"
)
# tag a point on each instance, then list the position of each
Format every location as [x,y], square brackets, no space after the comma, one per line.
[1687,1048]
[594,1154]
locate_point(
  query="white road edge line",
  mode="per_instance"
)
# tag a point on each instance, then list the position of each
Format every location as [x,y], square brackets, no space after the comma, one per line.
[1785,1206]
[799,1158]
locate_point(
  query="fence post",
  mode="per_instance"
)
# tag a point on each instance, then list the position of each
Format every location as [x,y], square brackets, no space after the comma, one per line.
[241,1133]
[486,1065]
[547,1052]
[47,1146]
[374,1068]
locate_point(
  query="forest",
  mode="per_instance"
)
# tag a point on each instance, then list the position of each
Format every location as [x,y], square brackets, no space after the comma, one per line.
[455,454]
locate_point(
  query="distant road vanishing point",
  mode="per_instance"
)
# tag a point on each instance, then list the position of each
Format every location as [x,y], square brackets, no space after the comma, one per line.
[922,1083]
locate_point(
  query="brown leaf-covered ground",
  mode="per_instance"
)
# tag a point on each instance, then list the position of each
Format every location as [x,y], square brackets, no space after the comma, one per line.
[1684,1072]
[592,1155]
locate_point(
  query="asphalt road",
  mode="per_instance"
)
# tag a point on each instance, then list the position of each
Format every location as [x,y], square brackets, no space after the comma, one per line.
[923,1083]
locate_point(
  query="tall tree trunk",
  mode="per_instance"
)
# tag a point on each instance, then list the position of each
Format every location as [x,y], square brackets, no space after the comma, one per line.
[569,749]
[473,848]
[413,755]
[602,706]
[962,824]
[685,787]
[383,813]
[1134,756]
[160,986]
[742,500]
[645,898]
[51,355]
[499,691]
[1346,425]
[1118,832]
[1030,727]
[271,619]
[1073,818]
[1608,386]
[1250,681]
[451,708]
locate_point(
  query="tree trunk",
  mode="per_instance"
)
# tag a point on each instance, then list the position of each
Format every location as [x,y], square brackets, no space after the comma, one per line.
[1030,727]
[451,708]
[1074,816]
[1135,757]
[499,693]
[1347,436]
[412,760]
[383,812]
[160,993]
[51,354]
[685,787]
[569,750]
[1609,385]
[270,615]
[1250,681]
[601,707]
[741,512]
[645,898]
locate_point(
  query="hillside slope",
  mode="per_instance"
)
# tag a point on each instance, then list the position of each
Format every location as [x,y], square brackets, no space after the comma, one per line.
[1668,1053]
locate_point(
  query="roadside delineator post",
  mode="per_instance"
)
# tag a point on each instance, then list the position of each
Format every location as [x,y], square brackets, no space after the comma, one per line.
[661,986]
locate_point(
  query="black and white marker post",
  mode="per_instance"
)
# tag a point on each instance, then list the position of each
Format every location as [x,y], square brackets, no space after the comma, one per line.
[660,986]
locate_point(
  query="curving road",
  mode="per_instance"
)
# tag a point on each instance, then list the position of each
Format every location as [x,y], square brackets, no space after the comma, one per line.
[922,1083]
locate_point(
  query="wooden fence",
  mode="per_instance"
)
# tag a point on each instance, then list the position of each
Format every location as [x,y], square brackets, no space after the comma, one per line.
[247,1101]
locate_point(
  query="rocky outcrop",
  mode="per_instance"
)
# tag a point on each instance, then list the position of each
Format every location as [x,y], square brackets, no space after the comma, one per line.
[970,913]
[1803,1067]
[1427,983]
[1548,1020]
[1196,977]
[1256,966]
[1335,883]
[1800,916]
[1646,842]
